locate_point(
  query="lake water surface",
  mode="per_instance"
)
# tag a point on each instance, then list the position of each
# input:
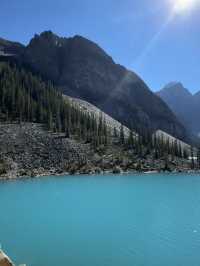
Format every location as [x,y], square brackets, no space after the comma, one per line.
[139,220]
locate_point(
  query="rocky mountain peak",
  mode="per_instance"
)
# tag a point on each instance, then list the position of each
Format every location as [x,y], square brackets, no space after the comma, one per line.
[183,103]
[173,84]
[45,38]
[88,46]
[173,91]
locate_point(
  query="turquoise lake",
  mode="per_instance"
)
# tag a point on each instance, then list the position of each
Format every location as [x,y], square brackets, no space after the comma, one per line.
[138,220]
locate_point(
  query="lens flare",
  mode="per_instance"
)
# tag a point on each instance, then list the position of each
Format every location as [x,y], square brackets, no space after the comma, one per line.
[181,6]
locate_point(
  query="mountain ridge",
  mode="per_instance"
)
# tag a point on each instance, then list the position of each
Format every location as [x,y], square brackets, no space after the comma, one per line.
[172,84]
[43,132]
[81,69]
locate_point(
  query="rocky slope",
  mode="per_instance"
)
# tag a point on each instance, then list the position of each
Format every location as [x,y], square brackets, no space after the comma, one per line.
[91,109]
[80,68]
[185,105]
[166,137]
[30,150]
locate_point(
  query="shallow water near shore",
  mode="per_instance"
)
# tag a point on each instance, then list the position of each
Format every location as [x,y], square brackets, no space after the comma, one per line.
[140,220]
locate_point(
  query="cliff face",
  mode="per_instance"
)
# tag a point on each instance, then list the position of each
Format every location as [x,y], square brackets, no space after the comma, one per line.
[80,68]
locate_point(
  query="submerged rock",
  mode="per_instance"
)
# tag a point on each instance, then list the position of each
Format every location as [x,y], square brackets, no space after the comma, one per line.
[4,259]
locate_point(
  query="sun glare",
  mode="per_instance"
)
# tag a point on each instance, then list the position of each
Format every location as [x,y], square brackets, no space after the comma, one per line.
[181,6]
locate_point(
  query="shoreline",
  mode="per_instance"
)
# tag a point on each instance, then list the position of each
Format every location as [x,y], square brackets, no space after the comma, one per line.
[109,172]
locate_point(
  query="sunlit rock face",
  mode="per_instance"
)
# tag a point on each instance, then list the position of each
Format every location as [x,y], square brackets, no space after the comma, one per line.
[80,68]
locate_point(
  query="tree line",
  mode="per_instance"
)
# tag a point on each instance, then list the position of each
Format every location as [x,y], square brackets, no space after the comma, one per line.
[25,97]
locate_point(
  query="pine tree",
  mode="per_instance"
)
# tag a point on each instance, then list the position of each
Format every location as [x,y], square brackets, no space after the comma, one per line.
[115,135]
[58,123]
[50,121]
[185,154]
[130,139]
[100,129]
[192,157]
[105,132]
[122,138]
[198,158]
[180,152]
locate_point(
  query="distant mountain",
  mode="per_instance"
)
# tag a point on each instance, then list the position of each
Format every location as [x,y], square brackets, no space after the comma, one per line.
[197,111]
[80,68]
[10,48]
[196,97]
[185,105]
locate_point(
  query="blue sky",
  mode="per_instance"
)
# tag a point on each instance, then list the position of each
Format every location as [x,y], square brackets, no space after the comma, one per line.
[140,34]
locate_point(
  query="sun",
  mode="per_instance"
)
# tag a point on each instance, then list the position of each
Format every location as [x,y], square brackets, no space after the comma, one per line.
[181,6]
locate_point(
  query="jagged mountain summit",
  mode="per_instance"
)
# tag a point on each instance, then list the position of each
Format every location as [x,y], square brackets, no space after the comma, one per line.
[185,105]
[80,68]
[176,89]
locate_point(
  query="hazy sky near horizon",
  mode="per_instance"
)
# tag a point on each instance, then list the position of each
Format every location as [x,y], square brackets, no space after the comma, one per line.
[142,35]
